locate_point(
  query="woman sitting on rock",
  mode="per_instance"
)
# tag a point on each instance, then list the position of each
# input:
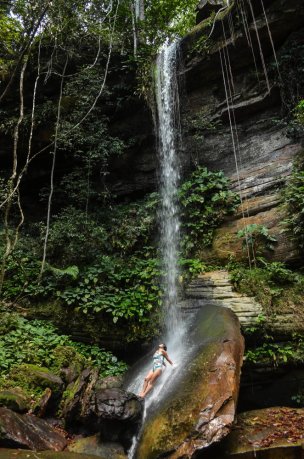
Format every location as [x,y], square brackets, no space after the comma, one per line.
[158,362]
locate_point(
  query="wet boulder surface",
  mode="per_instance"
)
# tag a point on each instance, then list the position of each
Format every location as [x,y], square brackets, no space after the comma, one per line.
[21,454]
[28,432]
[100,405]
[200,409]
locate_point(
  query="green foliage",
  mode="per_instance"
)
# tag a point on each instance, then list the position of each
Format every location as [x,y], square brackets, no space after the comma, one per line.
[273,352]
[110,268]
[167,18]
[256,239]
[74,238]
[290,80]
[293,196]
[273,285]
[290,352]
[36,342]
[299,112]
[130,226]
[124,288]
[10,31]
[291,63]
[205,200]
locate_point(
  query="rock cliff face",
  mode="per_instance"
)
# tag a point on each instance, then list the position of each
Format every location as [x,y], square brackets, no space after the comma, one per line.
[261,162]
[214,288]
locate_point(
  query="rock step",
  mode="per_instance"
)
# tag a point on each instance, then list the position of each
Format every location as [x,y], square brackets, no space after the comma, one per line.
[214,288]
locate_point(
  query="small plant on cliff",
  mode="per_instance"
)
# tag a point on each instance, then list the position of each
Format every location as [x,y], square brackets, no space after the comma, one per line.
[293,196]
[299,112]
[256,239]
[205,200]
[275,287]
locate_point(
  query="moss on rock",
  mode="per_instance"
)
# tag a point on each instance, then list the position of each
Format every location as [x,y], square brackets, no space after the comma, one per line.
[33,377]
[15,399]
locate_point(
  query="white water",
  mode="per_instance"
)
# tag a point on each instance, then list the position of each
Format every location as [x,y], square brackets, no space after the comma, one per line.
[169,142]
[169,137]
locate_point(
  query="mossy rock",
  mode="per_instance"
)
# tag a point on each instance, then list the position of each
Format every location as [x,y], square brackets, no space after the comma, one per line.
[201,405]
[25,454]
[36,378]
[68,362]
[66,356]
[109,382]
[94,445]
[15,399]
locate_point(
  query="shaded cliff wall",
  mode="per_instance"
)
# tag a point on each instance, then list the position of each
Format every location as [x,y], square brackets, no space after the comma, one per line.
[265,151]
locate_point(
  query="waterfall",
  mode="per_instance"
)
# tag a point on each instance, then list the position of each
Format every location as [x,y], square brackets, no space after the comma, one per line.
[169,144]
[169,135]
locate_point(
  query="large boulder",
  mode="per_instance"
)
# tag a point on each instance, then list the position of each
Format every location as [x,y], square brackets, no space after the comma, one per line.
[201,407]
[116,413]
[99,405]
[76,393]
[17,453]
[29,432]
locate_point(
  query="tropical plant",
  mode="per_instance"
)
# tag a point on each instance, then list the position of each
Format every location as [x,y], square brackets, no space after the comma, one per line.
[205,200]
[36,342]
[293,196]
[257,239]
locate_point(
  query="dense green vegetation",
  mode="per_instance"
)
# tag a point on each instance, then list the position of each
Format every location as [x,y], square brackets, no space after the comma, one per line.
[39,343]
[279,290]
[293,196]
[71,248]
[205,200]
[109,263]
[273,285]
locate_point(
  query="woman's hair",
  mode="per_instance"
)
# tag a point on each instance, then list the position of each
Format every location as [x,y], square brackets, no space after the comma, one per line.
[163,346]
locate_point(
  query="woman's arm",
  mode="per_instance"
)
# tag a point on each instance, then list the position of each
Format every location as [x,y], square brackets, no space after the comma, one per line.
[167,357]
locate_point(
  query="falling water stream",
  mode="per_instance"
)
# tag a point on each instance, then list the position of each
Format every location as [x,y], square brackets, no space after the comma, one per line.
[169,143]
[169,136]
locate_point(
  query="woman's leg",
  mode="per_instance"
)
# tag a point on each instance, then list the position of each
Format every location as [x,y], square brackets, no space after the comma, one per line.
[156,374]
[146,381]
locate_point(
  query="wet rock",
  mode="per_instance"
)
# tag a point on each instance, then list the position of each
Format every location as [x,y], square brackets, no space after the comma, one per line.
[110,382]
[27,431]
[201,408]
[43,404]
[75,393]
[226,243]
[98,405]
[272,433]
[115,413]
[21,454]
[70,362]
[207,7]
[14,399]
[94,445]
